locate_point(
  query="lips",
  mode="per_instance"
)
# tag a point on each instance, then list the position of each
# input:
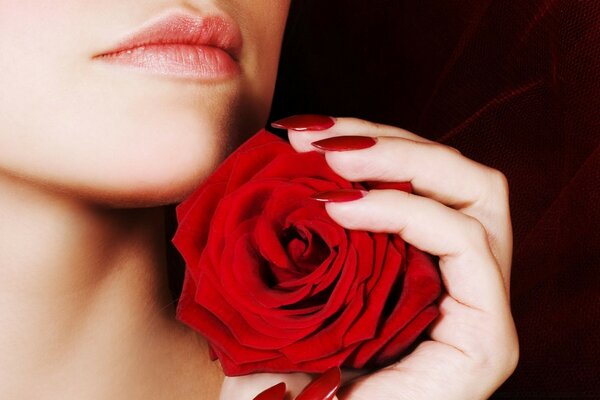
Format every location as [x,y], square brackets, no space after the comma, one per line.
[182,45]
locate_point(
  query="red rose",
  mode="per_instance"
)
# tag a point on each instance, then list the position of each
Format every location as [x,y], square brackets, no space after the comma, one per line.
[275,285]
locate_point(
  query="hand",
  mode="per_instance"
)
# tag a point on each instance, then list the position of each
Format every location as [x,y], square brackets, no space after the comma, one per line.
[460,213]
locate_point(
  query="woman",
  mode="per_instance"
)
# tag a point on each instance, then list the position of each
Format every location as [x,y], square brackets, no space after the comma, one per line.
[110,113]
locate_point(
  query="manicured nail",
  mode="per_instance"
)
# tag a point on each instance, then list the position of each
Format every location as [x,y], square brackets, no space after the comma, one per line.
[305,122]
[338,196]
[324,387]
[276,392]
[344,143]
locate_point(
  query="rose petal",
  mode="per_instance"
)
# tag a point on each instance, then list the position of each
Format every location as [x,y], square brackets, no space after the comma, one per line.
[405,338]
[240,328]
[327,273]
[260,304]
[223,173]
[270,227]
[328,341]
[420,288]
[278,286]
[276,318]
[228,215]
[212,327]
[281,363]
[192,233]
[251,161]
[388,267]
[301,165]
[244,277]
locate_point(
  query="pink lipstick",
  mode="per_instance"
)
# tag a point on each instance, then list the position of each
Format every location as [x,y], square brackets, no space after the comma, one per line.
[182,45]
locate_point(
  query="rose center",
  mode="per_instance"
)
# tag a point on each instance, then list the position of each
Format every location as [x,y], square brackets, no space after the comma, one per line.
[306,249]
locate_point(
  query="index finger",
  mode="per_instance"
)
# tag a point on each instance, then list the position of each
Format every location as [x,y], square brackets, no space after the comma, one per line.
[304,129]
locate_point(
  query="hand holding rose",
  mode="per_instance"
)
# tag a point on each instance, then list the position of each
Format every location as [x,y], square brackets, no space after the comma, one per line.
[275,285]
[458,212]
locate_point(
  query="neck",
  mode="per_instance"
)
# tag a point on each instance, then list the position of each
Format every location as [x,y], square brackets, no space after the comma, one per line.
[85,305]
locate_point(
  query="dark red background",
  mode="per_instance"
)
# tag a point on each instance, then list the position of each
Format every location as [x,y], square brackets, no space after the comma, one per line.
[514,84]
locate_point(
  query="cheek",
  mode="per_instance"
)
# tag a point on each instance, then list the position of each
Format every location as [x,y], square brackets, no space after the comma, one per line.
[133,146]
[264,25]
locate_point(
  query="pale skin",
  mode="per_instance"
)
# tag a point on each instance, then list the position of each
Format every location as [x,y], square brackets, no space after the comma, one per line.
[88,157]
[89,154]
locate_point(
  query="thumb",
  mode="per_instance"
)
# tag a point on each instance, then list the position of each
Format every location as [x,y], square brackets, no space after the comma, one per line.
[249,386]
[324,387]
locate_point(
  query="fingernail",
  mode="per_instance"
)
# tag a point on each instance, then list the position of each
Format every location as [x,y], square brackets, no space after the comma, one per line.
[324,387]
[305,122]
[344,143]
[338,196]
[276,392]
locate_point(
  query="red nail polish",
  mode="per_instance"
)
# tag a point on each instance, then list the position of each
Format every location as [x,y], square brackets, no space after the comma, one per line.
[324,387]
[305,122]
[344,143]
[276,392]
[338,196]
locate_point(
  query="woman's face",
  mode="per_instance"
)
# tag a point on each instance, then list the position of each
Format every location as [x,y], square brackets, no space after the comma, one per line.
[116,135]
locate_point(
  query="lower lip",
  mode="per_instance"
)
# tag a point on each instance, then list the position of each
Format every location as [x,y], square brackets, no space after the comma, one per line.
[177,60]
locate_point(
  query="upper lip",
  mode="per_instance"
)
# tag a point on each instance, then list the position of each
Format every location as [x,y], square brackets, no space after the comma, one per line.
[184,28]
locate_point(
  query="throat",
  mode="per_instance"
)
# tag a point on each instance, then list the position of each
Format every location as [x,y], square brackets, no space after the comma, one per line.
[85,305]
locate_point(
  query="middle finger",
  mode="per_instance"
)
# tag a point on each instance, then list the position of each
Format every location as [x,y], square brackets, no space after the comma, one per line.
[437,172]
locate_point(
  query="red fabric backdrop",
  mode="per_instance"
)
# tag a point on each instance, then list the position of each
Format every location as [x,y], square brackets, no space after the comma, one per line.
[514,84]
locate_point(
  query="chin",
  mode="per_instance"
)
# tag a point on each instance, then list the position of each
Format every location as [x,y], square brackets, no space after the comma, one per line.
[141,194]
[159,166]
[156,187]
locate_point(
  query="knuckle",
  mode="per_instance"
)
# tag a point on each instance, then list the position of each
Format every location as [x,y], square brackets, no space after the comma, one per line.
[498,354]
[512,355]
[444,149]
[340,213]
[499,182]
[476,231]
[364,124]
[363,166]
[353,166]
[504,360]
[512,361]
[453,150]
[494,196]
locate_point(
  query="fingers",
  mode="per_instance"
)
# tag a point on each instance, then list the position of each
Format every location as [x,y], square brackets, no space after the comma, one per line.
[301,139]
[323,388]
[460,213]
[440,173]
[435,171]
[247,387]
[432,371]
[400,156]
[276,392]
[481,336]
[469,270]
[475,314]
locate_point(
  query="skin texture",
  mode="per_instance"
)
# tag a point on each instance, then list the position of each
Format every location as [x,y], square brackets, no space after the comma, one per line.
[89,153]
[125,138]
